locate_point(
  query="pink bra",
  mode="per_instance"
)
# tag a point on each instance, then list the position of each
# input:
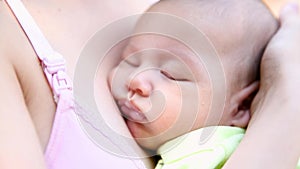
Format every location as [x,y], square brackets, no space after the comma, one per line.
[69,147]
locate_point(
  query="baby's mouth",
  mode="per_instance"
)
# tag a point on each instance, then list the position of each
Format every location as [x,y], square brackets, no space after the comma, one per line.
[131,112]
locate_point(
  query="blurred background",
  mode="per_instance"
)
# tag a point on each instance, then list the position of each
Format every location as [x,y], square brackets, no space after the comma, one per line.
[276,5]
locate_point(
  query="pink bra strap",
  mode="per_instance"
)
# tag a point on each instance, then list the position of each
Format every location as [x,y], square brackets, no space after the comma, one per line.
[53,63]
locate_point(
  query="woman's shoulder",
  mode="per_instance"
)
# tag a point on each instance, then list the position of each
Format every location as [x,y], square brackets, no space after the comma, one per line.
[17,52]
[22,81]
[15,48]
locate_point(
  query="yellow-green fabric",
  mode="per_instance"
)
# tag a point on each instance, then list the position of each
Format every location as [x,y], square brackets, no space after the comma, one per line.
[206,148]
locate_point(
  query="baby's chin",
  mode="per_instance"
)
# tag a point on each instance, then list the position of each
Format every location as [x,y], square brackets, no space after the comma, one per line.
[144,137]
[149,144]
[152,143]
[151,137]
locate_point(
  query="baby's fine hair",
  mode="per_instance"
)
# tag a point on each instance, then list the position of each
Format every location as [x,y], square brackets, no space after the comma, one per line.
[239,30]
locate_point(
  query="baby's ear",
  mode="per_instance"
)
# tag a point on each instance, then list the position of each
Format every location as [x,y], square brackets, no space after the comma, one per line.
[244,98]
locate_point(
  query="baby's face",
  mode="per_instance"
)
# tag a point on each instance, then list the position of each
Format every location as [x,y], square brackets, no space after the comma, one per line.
[161,88]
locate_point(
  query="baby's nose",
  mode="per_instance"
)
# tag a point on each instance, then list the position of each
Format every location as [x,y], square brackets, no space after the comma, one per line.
[141,84]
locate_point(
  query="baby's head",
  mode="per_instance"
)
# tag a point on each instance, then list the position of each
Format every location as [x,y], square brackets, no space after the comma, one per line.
[163,89]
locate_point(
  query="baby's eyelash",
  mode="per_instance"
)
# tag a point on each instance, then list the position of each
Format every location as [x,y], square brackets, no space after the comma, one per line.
[130,63]
[168,75]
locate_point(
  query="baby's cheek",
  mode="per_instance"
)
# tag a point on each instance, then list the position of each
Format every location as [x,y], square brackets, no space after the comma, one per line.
[200,105]
[110,76]
[116,83]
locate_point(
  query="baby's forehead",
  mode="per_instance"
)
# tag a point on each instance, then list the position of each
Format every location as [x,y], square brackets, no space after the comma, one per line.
[161,44]
[164,49]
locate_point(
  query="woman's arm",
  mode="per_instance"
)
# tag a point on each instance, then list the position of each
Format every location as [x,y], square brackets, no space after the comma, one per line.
[19,144]
[272,138]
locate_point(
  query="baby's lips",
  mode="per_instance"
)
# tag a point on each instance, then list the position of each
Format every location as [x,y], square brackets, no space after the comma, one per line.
[131,112]
[132,105]
[133,115]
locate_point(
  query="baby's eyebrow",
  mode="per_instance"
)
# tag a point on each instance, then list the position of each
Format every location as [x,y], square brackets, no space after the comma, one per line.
[129,49]
[186,54]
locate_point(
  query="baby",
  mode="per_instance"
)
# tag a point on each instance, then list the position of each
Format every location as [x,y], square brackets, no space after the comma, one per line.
[165,92]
